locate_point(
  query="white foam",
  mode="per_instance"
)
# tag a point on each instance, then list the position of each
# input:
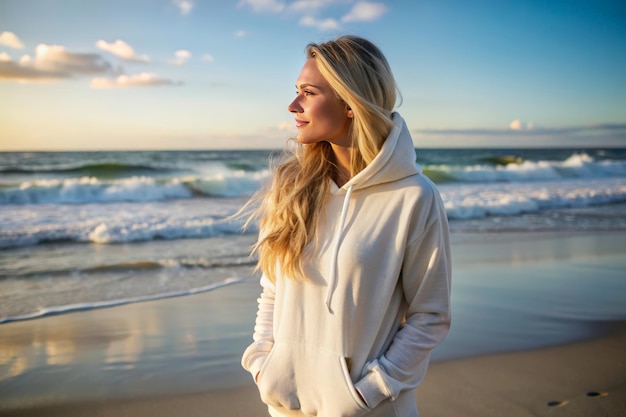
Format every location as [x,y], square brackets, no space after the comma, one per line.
[576,166]
[117,222]
[235,184]
[480,200]
[48,311]
[136,189]
[117,233]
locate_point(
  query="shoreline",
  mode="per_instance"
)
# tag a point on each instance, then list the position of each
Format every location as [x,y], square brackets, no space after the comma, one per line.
[512,293]
[459,239]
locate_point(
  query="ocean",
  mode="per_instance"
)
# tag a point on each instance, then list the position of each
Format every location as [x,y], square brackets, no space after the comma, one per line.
[85,230]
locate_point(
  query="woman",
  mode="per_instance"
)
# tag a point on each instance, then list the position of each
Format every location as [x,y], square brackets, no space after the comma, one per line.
[354,250]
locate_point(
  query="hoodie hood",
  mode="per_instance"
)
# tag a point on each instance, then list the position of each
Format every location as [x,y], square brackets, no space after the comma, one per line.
[396,160]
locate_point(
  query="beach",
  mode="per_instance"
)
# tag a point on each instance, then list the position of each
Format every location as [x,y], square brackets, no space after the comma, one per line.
[538,329]
[581,379]
[126,287]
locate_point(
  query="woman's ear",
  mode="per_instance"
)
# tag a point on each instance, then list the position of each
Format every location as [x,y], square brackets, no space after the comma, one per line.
[350,114]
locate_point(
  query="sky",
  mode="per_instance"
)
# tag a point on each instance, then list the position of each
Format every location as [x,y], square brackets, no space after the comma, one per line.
[218,74]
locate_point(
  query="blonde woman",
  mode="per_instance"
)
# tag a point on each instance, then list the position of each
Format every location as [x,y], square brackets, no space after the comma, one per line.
[354,250]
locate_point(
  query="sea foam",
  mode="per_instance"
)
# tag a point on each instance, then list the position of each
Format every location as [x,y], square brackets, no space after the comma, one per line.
[578,165]
[135,189]
[68,308]
[478,200]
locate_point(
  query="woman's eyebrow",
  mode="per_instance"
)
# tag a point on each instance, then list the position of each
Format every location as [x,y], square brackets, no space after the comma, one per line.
[305,85]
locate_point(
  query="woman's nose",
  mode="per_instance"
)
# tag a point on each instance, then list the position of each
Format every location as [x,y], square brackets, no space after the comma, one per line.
[294,106]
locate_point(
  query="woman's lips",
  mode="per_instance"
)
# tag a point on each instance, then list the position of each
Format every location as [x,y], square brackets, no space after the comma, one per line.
[300,123]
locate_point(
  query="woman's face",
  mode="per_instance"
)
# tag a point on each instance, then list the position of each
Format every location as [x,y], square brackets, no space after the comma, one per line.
[320,114]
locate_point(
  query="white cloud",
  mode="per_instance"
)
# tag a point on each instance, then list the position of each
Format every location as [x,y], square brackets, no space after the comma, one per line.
[519,125]
[308,6]
[208,58]
[321,24]
[180,57]
[310,12]
[11,40]
[608,134]
[124,81]
[263,6]
[122,50]
[184,6]
[57,58]
[53,62]
[12,71]
[364,11]
[240,33]
[289,127]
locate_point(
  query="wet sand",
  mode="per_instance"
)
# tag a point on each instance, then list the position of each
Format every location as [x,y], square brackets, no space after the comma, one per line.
[581,379]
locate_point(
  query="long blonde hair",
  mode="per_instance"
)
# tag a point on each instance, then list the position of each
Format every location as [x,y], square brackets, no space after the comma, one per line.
[290,207]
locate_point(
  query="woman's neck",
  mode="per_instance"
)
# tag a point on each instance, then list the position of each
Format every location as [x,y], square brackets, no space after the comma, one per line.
[343,155]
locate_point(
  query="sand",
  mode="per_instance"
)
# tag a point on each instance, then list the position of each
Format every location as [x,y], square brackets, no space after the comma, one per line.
[180,356]
[581,379]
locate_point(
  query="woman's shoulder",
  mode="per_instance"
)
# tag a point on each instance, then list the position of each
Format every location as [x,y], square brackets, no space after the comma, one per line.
[419,183]
[423,195]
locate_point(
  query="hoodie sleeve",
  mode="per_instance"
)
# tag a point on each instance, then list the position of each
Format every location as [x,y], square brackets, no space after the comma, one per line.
[254,356]
[426,279]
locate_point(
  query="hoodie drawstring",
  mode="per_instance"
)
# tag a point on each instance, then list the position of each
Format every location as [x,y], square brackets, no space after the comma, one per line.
[333,260]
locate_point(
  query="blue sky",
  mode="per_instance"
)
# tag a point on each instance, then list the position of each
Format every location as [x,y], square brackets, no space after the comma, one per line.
[217,74]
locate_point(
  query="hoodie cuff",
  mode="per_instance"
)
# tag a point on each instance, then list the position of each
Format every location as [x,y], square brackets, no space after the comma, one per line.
[256,365]
[372,388]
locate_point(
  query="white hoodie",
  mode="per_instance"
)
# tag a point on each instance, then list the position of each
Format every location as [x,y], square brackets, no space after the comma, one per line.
[374,304]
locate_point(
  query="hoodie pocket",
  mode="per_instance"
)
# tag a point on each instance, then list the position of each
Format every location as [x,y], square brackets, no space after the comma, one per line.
[274,383]
[312,380]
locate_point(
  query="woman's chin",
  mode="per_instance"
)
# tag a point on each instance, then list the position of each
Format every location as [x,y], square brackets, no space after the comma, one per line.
[305,141]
